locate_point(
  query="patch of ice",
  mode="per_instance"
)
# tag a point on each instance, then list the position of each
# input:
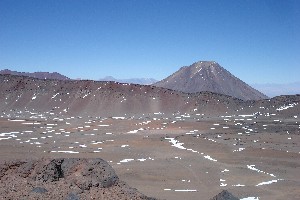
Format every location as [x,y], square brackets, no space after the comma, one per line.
[252,167]
[54,95]
[134,131]
[269,182]
[187,190]
[284,107]
[118,117]
[126,160]
[175,143]
[16,120]
[64,152]
[240,149]
[250,198]
[247,115]
[210,158]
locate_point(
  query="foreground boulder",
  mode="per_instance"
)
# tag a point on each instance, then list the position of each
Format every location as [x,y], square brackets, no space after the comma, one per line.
[64,178]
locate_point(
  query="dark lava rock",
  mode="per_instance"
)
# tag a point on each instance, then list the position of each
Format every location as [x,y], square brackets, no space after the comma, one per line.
[224,195]
[51,171]
[89,173]
[84,173]
[39,190]
[64,178]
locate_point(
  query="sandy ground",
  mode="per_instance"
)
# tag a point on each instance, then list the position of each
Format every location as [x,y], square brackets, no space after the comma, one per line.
[169,157]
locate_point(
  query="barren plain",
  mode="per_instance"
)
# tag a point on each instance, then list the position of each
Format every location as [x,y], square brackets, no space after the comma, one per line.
[176,146]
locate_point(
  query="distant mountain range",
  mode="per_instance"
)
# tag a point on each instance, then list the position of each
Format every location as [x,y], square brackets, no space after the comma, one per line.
[273,89]
[200,76]
[39,75]
[209,76]
[141,81]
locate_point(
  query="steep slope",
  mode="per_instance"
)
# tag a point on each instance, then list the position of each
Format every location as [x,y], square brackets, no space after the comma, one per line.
[39,75]
[209,76]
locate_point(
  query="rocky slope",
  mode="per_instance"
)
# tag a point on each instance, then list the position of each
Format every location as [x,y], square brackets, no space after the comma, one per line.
[209,76]
[39,75]
[92,98]
[102,98]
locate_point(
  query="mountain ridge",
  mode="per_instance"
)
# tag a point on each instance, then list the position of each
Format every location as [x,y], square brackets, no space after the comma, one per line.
[38,75]
[141,81]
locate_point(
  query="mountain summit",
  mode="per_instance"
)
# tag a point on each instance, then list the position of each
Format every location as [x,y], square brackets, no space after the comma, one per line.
[209,76]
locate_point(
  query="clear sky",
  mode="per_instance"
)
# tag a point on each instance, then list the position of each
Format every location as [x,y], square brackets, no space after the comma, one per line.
[256,40]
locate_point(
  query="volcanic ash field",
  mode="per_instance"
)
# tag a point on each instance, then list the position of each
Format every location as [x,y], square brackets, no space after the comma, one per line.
[166,144]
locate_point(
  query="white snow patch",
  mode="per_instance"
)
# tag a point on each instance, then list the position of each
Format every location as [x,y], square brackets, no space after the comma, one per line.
[210,158]
[185,190]
[54,95]
[118,117]
[126,160]
[64,152]
[134,131]
[269,182]
[250,198]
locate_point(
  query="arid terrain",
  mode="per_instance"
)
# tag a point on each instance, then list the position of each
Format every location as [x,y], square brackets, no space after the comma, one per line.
[166,144]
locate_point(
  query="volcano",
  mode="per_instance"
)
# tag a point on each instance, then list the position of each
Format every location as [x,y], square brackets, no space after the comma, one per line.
[209,76]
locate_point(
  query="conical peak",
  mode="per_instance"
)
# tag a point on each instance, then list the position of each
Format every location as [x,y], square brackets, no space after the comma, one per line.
[209,76]
[205,64]
[204,67]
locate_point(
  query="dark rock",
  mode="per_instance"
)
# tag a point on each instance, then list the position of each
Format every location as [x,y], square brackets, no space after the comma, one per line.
[72,196]
[68,179]
[224,195]
[51,171]
[89,173]
[39,190]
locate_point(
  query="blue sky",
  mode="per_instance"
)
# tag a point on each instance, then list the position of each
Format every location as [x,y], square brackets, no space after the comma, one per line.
[256,40]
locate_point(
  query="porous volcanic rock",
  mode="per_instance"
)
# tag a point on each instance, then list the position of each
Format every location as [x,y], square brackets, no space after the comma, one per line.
[63,178]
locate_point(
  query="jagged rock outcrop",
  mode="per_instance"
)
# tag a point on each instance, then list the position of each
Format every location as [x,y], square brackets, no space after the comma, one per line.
[63,178]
